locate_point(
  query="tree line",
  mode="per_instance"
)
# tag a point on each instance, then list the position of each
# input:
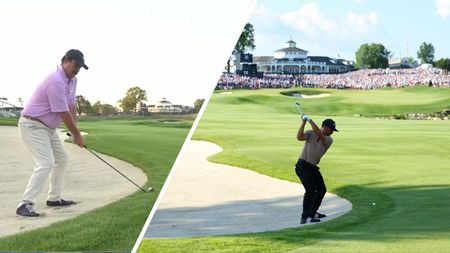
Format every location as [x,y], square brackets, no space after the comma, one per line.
[130,103]
[375,55]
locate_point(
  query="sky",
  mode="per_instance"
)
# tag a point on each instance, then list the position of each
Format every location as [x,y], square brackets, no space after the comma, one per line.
[337,28]
[175,49]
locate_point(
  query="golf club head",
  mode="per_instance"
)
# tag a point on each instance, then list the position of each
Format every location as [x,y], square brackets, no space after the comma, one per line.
[151,189]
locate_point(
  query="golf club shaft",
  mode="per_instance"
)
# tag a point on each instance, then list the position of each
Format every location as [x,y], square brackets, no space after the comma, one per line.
[92,152]
[298,107]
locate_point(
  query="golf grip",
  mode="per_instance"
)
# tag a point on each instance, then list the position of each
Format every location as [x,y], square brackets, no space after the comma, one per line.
[92,152]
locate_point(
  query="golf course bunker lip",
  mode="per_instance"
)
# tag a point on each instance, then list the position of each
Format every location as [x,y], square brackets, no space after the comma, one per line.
[87,180]
[206,198]
[171,122]
[322,95]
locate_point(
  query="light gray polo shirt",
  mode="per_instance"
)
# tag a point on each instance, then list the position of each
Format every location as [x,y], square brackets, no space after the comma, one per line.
[314,149]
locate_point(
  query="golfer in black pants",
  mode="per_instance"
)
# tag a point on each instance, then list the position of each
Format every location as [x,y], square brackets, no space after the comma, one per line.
[317,143]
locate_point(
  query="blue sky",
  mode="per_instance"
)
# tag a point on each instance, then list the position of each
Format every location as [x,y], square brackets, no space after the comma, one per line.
[339,27]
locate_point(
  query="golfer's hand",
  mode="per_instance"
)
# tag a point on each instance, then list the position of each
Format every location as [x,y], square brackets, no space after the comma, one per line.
[306,118]
[78,139]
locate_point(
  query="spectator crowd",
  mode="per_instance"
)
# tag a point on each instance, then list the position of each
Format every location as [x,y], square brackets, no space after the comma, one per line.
[360,79]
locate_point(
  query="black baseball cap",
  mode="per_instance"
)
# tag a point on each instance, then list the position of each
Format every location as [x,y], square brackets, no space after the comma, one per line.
[330,124]
[77,55]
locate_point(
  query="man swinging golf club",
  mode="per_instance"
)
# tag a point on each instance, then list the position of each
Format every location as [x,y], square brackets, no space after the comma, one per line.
[53,101]
[317,143]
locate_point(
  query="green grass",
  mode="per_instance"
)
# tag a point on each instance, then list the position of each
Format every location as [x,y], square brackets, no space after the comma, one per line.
[148,144]
[8,121]
[401,165]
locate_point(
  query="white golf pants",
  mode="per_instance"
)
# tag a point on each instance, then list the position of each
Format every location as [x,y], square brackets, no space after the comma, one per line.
[50,158]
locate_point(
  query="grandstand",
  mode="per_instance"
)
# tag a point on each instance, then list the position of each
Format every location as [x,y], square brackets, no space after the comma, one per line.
[360,79]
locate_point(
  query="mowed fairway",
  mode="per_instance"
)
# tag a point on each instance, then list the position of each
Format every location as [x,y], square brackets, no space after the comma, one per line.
[151,145]
[396,173]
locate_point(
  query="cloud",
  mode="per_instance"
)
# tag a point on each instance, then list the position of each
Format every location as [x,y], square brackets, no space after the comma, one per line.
[443,8]
[309,20]
[362,23]
[263,15]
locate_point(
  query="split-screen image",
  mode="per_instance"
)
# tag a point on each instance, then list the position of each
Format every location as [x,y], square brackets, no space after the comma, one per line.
[224,126]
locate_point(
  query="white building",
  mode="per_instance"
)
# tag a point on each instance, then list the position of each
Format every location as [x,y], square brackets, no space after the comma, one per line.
[165,106]
[8,109]
[294,60]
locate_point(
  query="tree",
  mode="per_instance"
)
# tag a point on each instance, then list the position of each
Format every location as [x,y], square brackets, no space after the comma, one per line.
[134,97]
[107,109]
[443,63]
[412,61]
[198,104]
[372,55]
[97,107]
[426,53]
[245,42]
[83,105]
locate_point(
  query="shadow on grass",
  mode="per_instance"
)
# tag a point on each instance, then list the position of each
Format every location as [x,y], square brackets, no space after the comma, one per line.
[400,213]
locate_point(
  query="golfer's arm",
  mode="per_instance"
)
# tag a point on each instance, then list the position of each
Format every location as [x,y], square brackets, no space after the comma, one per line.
[69,121]
[73,111]
[317,131]
[301,132]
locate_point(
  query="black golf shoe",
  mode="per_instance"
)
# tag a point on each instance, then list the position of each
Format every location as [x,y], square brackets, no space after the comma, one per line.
[312,220]
[27,210]
[61,202]
[303,220]
[319,215]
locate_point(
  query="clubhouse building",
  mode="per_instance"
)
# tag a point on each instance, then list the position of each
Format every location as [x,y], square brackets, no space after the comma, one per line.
[166,107]
[294,60]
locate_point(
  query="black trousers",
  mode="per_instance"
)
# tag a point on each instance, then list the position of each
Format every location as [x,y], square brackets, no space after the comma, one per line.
[314,185]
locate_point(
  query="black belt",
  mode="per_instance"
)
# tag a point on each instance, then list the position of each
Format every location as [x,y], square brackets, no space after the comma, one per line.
[33,118]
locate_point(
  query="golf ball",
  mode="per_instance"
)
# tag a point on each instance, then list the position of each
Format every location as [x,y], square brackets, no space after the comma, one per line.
[374,203]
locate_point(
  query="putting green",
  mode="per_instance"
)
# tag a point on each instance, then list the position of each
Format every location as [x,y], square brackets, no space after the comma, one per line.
[400,165]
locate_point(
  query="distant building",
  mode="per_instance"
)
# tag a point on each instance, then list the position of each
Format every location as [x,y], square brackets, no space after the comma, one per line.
[400,63]
[8,109]
[294,60]
[164,106]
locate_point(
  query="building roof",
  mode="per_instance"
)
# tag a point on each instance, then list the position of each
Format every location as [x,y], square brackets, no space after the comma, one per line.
[328,60]
[262,58]
[291,49]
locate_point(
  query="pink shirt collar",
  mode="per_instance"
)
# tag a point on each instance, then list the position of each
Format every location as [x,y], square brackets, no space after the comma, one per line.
[63,76]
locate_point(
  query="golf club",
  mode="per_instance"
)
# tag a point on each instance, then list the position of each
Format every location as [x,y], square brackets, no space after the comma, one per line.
[92,152]
[298,107]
